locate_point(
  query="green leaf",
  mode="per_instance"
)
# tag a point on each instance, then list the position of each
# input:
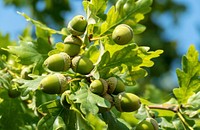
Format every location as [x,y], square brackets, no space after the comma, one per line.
[95,7]
[14,113]
[40,25]
[4,42]
[113,122]
[166,124]
[95,13]
[29,53]
[93,53]
[59,123]
[29,85]
[194,100]
[51,107]
[192,108]
[52,112]
[5,80]
[130,58]
[116,17]
[96,122]
[126,56]
[188,77]
[141,113]
[89,101]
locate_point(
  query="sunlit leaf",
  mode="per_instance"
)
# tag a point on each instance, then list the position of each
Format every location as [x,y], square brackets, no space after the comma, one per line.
[115,17]
[39,24]
[29,53]
[96,122]
[188,77]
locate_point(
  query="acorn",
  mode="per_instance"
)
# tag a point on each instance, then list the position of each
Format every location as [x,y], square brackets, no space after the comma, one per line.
[77,25]
[127,102]
[122,34]
[99,86]
[53,84]
[72,45]
[115,85]
[58,62]
[148,124]
[13,93]
[82,65]
[63,99]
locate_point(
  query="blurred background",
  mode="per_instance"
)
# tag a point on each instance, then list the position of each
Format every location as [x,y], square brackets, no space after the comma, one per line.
[172,26]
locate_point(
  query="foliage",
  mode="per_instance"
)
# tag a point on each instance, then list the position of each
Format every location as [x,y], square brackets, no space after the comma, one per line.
[79,108]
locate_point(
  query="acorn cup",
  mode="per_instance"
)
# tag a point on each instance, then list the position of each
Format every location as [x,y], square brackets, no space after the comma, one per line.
[115,85]
[99,87]
[82,65]
[122,34]
[58,62]
[72,45]
[127,102]
[148,124]
[77,25]
[54,84]
[109,98]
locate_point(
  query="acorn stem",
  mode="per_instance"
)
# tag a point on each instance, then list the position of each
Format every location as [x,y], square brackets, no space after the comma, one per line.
[98,38]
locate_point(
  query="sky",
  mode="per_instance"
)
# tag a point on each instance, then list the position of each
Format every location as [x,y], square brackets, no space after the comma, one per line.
[185,32]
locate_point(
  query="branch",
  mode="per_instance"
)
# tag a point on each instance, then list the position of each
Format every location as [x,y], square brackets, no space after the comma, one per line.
[169,107]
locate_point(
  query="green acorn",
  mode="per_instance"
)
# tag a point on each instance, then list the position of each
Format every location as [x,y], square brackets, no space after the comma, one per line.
[13,93]
[53,84]
[58,62]
[77,25]
[82,65]
[115,85]
[99,86]
[122,34]
[72,45]
[127,102]
[148,124]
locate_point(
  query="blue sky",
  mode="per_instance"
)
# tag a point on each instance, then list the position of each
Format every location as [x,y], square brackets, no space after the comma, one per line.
[185,32]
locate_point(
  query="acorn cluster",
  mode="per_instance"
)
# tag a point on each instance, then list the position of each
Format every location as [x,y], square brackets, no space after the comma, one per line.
[113,90]
[68,59]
